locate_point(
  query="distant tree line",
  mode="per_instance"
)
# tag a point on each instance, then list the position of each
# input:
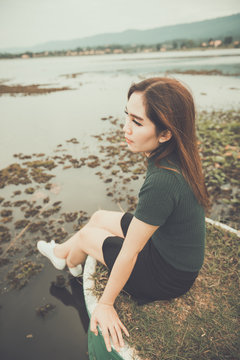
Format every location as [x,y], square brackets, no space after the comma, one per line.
[179,44]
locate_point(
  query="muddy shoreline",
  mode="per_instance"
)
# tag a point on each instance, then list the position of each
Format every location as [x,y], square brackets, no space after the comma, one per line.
[27,90]
[201,72]
[31,210]
[37,89]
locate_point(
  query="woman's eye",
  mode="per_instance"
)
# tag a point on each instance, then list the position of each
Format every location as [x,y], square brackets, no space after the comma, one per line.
[136,122]
[133,120]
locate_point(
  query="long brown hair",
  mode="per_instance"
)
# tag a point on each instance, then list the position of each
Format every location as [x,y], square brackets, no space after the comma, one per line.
[170,106]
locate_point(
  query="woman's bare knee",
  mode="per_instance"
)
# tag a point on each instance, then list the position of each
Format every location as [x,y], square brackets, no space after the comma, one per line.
[98,218]
[107,220]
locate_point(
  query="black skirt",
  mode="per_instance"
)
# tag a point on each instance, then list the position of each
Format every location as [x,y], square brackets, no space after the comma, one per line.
[152,277]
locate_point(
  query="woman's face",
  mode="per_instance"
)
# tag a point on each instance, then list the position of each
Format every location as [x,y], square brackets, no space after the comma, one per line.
[140,132]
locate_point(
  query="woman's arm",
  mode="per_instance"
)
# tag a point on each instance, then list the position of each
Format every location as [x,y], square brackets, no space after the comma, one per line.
[104,314]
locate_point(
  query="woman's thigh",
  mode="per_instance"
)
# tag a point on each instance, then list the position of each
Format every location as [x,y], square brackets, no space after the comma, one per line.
[107,220]
[91,240]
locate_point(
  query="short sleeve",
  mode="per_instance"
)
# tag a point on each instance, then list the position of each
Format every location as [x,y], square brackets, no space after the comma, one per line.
[157,198]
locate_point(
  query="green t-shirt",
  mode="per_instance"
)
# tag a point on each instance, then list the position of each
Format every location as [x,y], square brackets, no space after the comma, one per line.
[167,200]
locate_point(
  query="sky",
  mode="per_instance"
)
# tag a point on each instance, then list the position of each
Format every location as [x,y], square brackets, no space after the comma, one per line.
[31,22]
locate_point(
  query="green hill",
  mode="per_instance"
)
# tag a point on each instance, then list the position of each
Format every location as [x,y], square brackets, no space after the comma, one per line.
[202,30]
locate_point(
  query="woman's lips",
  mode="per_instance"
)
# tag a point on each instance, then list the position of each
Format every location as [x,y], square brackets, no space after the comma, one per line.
[128,141]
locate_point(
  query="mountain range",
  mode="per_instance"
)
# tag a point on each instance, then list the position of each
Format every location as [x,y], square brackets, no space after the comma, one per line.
[217,28]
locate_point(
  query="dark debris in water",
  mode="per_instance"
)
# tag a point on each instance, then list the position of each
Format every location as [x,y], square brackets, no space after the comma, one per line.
[48,164]
[17,192]
[20,224]
[5,213]
[22,156]
[17,174]
[5,234]
[73,141]
[30,212]
[21,273]
[70,217]
[51,211]
[59,235]
[46,200]
[13,250]
[4,261]
[45,309]
[48,186]
[14,174]
[40,176]
[7,204]
[29,190]
[37,226]
[21,202]
[60,281]
[56,203]
[7,219]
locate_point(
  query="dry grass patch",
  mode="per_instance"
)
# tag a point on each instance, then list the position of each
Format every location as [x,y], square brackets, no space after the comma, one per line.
[199,325]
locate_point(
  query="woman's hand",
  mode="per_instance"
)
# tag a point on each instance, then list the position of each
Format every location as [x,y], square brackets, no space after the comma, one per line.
[107,318]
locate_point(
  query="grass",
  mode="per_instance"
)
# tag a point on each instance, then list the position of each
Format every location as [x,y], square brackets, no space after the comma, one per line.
[219,139]
[202,324]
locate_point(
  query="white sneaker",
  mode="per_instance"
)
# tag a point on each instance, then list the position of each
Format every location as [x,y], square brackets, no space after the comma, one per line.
[76,270]
[46,249]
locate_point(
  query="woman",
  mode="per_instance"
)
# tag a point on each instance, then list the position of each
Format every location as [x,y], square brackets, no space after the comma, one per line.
[157,252]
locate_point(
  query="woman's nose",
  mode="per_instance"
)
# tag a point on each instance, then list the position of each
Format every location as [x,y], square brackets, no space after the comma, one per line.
[127,127]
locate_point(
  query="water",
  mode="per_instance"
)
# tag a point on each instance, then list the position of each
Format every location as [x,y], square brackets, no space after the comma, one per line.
[32,124]
[38,123]
[41,70]
[62,334]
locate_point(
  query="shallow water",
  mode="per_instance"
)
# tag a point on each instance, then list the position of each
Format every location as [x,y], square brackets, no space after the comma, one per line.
[38,123]
[33,124]
[42,70]
[62,334]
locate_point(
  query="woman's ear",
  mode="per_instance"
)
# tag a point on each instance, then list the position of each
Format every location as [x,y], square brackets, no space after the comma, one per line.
[164,136]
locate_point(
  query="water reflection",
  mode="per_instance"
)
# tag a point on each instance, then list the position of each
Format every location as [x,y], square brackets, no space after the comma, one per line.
[73,298]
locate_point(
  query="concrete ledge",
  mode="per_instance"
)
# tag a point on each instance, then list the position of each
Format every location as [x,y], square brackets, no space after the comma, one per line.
[126,353]
[223,226]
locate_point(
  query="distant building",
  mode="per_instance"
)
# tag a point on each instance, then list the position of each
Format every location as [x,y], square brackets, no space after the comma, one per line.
[71,53]
[117,51]
[99,52]
[217,43]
